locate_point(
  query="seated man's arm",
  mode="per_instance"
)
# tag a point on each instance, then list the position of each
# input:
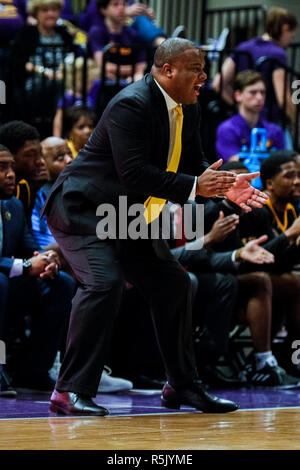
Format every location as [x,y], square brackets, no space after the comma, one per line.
[5,265]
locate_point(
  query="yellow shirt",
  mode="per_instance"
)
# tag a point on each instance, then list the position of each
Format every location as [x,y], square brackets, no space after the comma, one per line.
[72,148]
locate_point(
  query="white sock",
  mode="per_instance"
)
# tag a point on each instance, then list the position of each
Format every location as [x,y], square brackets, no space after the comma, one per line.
[261,359]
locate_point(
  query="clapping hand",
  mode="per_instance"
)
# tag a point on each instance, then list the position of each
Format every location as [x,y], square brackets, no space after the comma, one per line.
[244,195]
[254,253]
[45,265]
[221,228]
[215,183]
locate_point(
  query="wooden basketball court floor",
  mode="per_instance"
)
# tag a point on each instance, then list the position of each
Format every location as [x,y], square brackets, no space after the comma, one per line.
[266,420]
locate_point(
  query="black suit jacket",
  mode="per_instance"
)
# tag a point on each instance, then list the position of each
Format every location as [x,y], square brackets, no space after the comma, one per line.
[127,155]
[204,260]
[17,238]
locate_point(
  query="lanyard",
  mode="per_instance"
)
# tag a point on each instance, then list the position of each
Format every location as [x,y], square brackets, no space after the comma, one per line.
[283,226]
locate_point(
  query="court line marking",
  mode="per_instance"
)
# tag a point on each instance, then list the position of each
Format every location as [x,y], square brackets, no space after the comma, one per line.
[145,414]
[97,417]
[271,408]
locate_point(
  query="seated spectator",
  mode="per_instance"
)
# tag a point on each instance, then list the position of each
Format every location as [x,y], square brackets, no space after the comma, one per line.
[296,194]
[78,125]
[74,90]
[12,20]
[23,142]
[280,177]
[43,293]
[226,300]
[261,222]
[36,67]
[113,31]
[279,32]
[140,18]
[142,21]
[68,12]
[57,155]
[232,134]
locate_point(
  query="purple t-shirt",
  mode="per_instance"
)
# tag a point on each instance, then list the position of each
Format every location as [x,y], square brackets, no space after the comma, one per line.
[235,132]
[12,18]
[92,17]
[258,48]
[99,37]
[67,12]
[252,54]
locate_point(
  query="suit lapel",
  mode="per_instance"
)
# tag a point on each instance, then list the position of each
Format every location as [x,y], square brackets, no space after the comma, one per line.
[7,233]
[161,119]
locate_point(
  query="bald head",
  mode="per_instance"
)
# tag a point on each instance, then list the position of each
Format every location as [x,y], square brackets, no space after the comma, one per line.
[170,50]
[179,69]
[57,155]
[52,141]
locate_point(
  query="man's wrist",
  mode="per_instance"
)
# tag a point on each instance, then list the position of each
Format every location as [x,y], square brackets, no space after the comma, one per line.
[238,254]
[26,267]
[207,240]
[291,235]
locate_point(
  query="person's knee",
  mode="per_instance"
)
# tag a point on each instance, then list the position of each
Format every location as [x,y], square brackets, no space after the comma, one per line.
[194,284]
[226,283]
[3,299]
[262,284]
[66,284]
[3,283]
[183,280]
[110,283]
[293,282]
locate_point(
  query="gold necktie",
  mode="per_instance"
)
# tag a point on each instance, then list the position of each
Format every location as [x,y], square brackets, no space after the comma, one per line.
[154,205]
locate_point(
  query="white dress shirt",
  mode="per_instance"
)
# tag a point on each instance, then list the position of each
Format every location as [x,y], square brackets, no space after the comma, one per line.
[171,105]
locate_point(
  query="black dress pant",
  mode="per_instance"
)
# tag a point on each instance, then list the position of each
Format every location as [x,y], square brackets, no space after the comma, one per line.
[215,301]
[100,267]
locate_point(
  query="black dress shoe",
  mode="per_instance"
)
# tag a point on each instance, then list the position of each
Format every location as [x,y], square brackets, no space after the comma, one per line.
[197,397]
[69,403]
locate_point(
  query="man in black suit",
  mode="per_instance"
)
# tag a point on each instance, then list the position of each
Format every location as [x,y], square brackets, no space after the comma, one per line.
[29,285]
[127,155]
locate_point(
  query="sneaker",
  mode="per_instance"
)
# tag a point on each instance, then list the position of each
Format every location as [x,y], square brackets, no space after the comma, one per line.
[6,390]
[54,371]
[293,369]
[271,376]
[109,384]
